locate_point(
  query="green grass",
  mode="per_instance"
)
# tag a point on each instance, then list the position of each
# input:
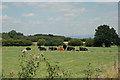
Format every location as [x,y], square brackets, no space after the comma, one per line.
[75,62]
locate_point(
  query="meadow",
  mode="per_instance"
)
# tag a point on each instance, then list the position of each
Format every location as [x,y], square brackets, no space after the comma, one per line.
[73,62]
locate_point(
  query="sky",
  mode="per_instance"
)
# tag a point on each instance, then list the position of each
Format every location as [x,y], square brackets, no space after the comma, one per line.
[76,19]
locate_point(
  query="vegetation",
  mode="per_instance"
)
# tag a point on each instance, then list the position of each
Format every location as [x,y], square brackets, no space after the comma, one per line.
[117,42]
[89,42]
[54,42]
[34,38]
[78,64]
[75,42]
[30,63]
[12,35]
[12,42]
[41,42]
[105,35]
[73,63]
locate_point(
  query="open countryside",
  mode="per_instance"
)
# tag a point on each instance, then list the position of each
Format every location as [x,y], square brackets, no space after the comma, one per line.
[91,62]
[47,40]
[72,62]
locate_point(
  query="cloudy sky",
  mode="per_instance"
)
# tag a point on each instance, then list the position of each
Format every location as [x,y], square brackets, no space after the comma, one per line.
[62,18]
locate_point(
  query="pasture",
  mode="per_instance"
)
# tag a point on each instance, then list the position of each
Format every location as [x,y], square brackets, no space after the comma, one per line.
[73,62]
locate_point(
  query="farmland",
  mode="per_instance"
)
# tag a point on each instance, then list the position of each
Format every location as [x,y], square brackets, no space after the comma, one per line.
[74,62]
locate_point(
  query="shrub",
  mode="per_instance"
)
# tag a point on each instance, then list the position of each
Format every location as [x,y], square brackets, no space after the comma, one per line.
[55,42]
[41,42]
[29,65]
[75,42]
[89,42]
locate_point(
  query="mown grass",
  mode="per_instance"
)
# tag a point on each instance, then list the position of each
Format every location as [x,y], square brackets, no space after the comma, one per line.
[73,62]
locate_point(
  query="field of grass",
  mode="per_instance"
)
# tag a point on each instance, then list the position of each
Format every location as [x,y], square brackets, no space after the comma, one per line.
[74,62]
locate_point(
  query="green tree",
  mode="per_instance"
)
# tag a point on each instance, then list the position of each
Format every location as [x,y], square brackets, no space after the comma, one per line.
[12,34]
[104,35]
[117,42]
[75,42]
[41,42]
[114,36]
[5,36]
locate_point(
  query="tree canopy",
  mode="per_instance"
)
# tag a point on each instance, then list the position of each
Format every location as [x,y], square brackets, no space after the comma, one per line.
[34,38]
[104,35]
[41,42]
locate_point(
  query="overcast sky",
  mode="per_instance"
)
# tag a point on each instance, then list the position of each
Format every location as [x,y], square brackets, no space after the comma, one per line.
[61,18]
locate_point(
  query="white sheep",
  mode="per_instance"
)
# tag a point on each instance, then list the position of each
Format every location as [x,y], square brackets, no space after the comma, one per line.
[24,50]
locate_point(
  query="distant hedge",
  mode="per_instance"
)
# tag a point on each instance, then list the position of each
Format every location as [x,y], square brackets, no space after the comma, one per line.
[11,42]
[89,42]
[75,42]
[55,42]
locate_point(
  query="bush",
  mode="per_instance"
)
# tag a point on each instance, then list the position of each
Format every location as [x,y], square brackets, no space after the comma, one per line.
[55,42]
[12,42]
[41,42]
[89,42]
[75,42]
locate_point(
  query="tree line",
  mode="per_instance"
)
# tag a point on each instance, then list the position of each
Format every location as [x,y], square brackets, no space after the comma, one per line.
[104,36]
[14,38]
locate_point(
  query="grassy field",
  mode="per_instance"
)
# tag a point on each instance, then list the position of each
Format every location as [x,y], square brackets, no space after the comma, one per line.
[74,62]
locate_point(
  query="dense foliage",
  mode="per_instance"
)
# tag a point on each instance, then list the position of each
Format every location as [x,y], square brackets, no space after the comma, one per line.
[34,38]
[75,42]
[12,35]
[41,42]
[89,42]
[12,42]
[105,35]
[117,42]
[47,37]
[54,42]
